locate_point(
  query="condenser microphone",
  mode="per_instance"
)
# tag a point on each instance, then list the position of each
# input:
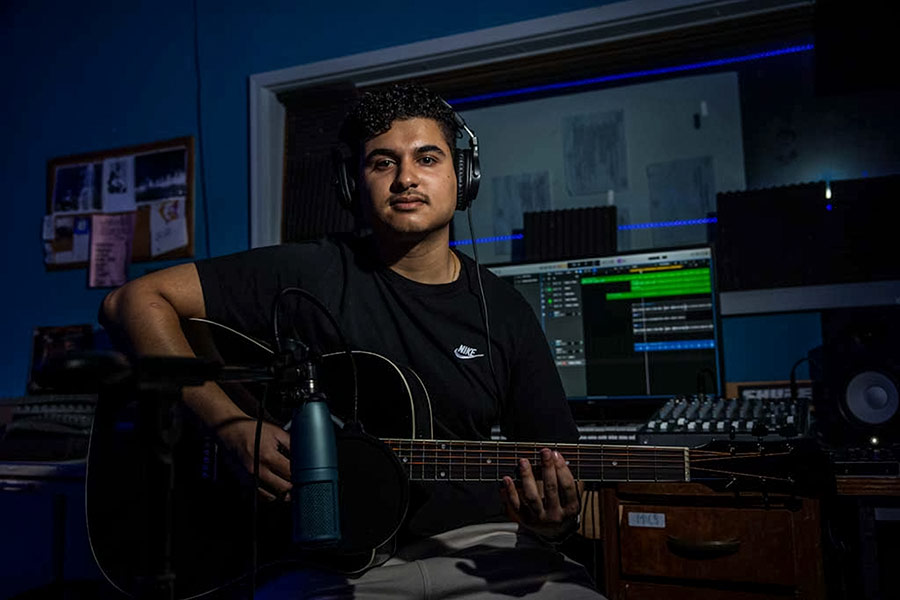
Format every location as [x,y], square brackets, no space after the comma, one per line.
[314,475]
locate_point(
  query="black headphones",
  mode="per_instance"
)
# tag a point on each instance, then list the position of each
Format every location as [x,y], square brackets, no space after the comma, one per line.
[468,170]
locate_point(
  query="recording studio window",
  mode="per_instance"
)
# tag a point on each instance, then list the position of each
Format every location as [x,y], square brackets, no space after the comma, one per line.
[660,139]
[656,126]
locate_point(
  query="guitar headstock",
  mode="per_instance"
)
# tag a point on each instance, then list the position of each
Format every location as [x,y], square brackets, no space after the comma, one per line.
[796,467]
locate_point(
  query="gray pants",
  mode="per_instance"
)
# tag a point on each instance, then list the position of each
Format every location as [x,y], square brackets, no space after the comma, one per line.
[484,561]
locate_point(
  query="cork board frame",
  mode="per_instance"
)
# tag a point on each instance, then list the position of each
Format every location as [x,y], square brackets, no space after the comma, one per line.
[78,186]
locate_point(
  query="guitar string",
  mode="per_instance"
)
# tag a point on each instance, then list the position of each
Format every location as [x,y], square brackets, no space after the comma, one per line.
[464,455]
[475,457]
[459,451]
[633,473]
[638,465]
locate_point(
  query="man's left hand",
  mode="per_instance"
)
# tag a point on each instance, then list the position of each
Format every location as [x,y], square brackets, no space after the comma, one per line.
[553,515]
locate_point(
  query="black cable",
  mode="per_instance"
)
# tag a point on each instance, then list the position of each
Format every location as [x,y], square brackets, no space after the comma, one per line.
[484,313]
[701,380]
[254,538]
[337,328]
[254,524]
[200,164]
[794,391]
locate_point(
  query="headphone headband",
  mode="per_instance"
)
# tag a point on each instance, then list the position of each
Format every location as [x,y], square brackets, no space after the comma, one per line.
[468,166]
[465,160]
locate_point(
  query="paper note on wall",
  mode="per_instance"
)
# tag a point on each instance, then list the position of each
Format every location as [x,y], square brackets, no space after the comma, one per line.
[111,237]
[118,184]
[76,188]
[168,226]
[594,153]
[70,241]
[681,190]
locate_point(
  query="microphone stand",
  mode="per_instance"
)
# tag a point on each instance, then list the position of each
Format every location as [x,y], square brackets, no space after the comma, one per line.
[158,384]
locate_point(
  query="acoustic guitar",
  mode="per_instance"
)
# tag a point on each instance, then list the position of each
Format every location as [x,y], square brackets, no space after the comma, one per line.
[387,445]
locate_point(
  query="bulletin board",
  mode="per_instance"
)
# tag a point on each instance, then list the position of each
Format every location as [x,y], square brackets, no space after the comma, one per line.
[153,182]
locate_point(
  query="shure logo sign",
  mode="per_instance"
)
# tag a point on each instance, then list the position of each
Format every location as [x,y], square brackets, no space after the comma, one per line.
[465,353]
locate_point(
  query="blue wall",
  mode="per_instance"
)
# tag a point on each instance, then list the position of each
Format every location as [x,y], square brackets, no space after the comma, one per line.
[94,75]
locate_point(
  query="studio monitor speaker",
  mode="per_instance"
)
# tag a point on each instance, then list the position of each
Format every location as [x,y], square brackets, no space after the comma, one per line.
[856,374]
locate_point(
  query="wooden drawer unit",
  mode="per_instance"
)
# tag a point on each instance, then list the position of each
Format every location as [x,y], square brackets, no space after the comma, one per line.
[684,541]
[721,544]
[655,591]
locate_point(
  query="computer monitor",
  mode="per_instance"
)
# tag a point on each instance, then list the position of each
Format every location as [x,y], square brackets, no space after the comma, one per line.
[640,325]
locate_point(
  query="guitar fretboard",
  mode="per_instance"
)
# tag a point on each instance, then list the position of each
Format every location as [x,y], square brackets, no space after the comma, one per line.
[436,460]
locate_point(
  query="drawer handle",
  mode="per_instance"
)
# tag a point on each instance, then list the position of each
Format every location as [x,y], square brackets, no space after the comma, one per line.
[702,550]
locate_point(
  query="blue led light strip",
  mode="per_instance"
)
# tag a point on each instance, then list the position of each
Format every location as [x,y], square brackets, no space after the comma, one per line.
[668,224]
[633,75]
[679,345]
[519,236]
[497,238]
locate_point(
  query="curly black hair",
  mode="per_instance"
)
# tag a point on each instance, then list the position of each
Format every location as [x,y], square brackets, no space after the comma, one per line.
[377,109]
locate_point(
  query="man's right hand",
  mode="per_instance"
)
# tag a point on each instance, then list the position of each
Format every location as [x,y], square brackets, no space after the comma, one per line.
[274,454]
[145,316]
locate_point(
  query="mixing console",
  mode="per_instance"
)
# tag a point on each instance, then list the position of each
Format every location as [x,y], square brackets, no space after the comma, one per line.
[694,420]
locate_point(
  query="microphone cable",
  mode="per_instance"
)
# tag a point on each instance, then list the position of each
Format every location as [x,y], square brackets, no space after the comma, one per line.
[201,166]
[337,328]
[793,380]
[484,315]
[254,502]
[276,304]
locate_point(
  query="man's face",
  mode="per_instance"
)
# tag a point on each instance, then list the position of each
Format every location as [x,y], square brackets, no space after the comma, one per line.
[409,178]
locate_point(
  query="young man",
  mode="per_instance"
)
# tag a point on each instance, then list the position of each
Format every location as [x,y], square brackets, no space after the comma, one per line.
[403,293]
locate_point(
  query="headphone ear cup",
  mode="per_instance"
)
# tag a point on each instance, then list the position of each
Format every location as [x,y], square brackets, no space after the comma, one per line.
[462,177]
[343,180]
[468,178]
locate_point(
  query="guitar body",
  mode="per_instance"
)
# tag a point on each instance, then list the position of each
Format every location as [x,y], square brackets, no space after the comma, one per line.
[212,501]
[212,506]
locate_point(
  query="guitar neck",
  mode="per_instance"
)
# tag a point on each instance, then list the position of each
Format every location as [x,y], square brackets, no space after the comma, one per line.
[435,460]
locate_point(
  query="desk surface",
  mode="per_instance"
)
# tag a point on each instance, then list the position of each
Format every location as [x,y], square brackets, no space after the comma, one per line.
[868,486]
[69,470]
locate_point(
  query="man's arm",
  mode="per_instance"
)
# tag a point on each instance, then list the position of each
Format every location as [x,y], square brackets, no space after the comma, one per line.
[146,315]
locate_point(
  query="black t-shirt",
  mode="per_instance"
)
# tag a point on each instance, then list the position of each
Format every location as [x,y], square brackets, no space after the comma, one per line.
[437,330]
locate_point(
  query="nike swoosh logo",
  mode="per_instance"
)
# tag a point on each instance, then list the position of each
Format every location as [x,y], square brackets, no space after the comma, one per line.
[459,354]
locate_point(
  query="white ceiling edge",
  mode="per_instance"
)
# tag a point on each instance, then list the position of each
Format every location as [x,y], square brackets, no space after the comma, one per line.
[607,23]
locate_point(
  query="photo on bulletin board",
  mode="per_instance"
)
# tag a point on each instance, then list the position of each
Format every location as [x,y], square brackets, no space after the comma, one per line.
[153,184]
